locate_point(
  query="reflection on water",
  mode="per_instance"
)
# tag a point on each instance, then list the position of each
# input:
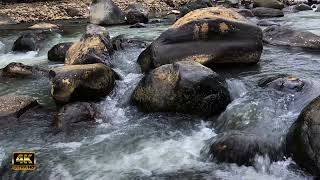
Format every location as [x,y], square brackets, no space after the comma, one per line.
[127,144]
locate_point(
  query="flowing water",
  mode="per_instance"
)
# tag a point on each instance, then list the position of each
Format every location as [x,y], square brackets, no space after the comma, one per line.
[128,144]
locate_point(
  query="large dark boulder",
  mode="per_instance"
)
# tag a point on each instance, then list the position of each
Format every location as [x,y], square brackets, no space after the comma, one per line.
[81,82]
[205,36]
[282,82]
[16,105]
[303,139]
[274,4]
[94,47]
[23,71]
[76,114]
[136,13]
[185,86]
[285,36]
[240,148]
[267,12]
[58,52]
[105,12]
[30,41]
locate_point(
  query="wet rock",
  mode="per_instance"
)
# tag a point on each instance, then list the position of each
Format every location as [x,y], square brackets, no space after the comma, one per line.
[283,83]
[47,26]
[193,5]
[285,36]
[302,7]
[136,13]
[267,12]
[105,12]
[274,4]
[121,42]
[30,41]
[267,23]
[240,148]
[204,36]
[245,12]
[94,47]
[138,25]
[185,86]
[303,139]
[71,11]
[15,105]
[81,82]
[76,114]
[23,71]
[58,52]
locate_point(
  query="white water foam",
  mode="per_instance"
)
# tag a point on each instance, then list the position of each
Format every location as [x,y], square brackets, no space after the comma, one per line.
[155,155]
[28,58]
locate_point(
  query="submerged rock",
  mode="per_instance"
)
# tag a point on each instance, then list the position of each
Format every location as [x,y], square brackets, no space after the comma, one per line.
[58,52]
[267,23]
[283,83]
[16,105]
[185,86]
[275,4]
[105,12]
[138,25]
[23,71]
[267,12]
[136,13]
[75,114]
[303,139]
[81,82]
[240,148]
[204,36]
[285,36]
[94,47]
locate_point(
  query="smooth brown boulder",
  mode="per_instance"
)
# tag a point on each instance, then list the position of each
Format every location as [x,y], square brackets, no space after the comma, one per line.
[81,82]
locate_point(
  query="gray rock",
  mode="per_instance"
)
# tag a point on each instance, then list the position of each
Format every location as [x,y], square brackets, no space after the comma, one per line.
[303,139]
[16,105]
[19,70]
[285,36]
[240,148]
[105,12]
[267,12]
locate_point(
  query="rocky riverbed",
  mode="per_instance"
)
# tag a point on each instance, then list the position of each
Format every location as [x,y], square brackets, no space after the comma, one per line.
[213,90]
[69,9]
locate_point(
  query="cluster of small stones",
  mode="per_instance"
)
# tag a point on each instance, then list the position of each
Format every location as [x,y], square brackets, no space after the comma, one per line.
[44,11]
[57,10]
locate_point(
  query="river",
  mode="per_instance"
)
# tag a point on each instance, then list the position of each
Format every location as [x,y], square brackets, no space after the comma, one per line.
[128,144]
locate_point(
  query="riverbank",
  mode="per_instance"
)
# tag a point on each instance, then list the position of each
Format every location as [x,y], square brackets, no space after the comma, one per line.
[66,9]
